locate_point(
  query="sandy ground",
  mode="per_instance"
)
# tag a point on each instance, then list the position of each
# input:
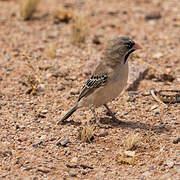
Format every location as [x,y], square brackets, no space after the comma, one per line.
[30,139]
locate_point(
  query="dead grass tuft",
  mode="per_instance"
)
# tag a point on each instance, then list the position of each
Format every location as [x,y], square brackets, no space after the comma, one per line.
[32,81]
[132,142]
[51,50]
[86,133]
[63,15]
[27,8]
[79,30]
[125,159]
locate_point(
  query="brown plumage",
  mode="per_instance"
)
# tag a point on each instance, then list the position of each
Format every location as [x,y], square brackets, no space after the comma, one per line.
[109,78]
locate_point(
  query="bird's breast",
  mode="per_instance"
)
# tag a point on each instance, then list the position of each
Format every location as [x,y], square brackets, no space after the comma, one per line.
[117,80]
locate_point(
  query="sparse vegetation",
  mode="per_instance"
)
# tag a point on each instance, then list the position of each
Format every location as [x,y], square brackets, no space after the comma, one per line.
[27,8]
[38,89]
[79,30]
[51,50]
[131,142]
[125,159]
[32,81]
[63,15]
[86,133]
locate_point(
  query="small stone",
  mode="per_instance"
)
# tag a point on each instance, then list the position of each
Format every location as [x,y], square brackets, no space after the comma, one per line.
[132,93]
[38,144]
[60,87]
[44,111]
[130,153]
[152,22]
[176,140]
[178,79]
[48,75]
[131,99]
[43,170]
[146,93]
[64,142]
[157,55]
[103,133]
[154,107]
[165,176]
[53,139]
[43,137]
[67,83]
[74,160]
[71,78]
[73,173]
[96,40]
[74,91]
[42,86]
[156,111]
[170,164]
[153,15]
[147,173]
[17,127]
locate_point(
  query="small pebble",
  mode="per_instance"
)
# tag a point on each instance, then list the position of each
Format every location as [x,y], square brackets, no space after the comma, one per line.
[153,15]
[73,173]
[103,134]
[44,111]
[170,164]
[67,83]
[42,86]
[96,40]
[74,91]
[63,143]
[131,99]
[165,176]
[74,160]
[60,87]
[146,93]
[154,107]
[43,137]
[156,111]
[147,173]
[157,55]
[130,153]
[53,139]
[71,78]
[38,144]
[176,140]
[131,93]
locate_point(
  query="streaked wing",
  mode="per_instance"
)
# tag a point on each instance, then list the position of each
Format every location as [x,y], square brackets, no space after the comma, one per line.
[92,84]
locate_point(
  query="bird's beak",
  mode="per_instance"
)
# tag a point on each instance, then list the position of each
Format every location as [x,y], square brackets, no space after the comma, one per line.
[137,46]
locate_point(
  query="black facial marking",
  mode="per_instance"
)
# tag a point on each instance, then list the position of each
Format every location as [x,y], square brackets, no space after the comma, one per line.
[127,55]
[130,44]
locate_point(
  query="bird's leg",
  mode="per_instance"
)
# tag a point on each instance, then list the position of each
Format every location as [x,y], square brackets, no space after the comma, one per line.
[110,112]
[96,119]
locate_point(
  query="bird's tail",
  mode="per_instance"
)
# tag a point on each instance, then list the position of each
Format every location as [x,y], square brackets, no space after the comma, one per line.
[68,114]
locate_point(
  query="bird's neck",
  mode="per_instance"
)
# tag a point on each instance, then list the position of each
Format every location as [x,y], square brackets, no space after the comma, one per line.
[114,63]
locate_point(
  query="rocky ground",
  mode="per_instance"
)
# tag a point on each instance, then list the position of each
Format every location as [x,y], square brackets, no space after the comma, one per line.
[41,74]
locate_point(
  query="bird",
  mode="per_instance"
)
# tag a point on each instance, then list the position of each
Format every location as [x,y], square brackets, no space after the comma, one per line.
[109,78]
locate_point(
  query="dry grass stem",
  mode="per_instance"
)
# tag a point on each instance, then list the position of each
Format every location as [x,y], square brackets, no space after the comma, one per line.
[27,8]
[51,51]
[33,80]
[124,159]
[87,132]
[131,142]
[156,97]
[63,14]
[79,30]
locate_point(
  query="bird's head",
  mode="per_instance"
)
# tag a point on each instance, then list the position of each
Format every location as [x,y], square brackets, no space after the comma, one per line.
[120,48]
